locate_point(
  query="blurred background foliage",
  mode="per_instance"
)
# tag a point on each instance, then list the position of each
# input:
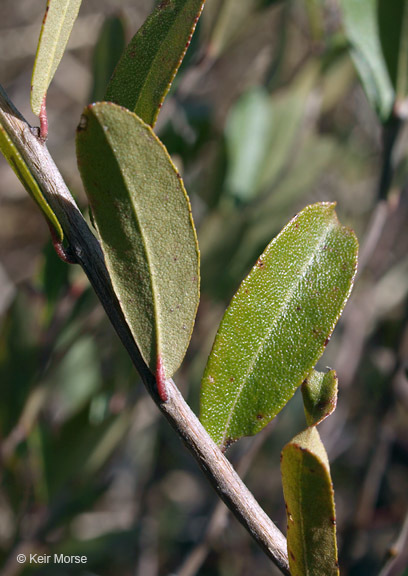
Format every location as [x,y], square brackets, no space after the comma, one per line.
[266,115]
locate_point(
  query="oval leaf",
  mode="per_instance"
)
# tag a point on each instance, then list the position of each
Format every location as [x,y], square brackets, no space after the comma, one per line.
[319,392]
[23,173]
[147,68]
[361,26]
[59,19]
[278,324]
[143,217]
[309,498]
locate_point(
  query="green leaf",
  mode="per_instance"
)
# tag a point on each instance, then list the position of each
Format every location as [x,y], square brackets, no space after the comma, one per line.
[59,19]
[108,50]
[361,26]
[278,323]
[309,498]
[261,133]
[393,24]
[319,393]
[147,68]
[23,173]
[143,217]
[247,132]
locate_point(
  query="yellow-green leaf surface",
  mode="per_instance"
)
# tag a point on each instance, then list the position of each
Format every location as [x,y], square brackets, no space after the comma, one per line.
[278,323]
[22,171]
[150,62]
[319,392]
[143,217]
[309,498]
[59,19]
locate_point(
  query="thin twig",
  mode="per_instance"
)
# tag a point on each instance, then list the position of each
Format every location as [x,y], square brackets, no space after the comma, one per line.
[87,251]
[398,553]
[219,518]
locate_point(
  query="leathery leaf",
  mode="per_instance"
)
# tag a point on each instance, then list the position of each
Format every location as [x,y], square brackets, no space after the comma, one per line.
[319,392]
[23,173]
[149,64]
[278,323]
[60,16]
[309,498]
[142,213]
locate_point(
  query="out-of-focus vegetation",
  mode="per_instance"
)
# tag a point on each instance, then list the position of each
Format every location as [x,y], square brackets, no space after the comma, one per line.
[266,115]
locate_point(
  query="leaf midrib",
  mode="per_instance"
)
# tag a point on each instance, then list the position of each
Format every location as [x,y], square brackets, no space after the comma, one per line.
[304,269]
[155,300]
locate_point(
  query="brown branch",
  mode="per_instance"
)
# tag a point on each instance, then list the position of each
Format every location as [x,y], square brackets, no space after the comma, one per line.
[87,251]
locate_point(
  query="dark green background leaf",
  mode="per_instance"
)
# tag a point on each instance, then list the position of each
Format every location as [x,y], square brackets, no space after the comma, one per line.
[108,50]
[393,27]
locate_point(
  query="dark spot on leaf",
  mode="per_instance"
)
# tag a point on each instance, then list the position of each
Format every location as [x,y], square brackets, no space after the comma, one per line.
[298,308]
[260,263]
[292,555]
[232,379]
[260,416]
[163,4]
[316,332]
[327,341]
[322,404]
[227,444]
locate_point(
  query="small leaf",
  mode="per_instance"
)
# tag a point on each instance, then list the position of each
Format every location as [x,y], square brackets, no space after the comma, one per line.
[309,498]
[23,173]
[143,217]
[319,392]
[59,19]
[108,50]
[361,26]
[147,68]
[278,324]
